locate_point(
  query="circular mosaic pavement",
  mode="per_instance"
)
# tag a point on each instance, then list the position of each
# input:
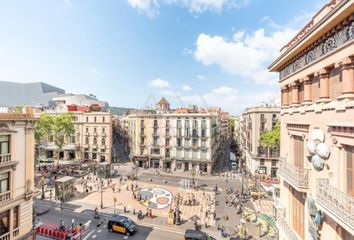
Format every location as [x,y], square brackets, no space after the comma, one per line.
[156,198]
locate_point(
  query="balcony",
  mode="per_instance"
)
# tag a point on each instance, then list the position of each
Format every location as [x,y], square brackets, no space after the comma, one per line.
[337,204]
[5,236]
[296,176]
[5,196]
[273,153]
[262,152]
[285,226]
[5,158]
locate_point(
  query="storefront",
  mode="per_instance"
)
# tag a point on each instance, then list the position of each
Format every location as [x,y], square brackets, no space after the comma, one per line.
[155,163]
[141,161]
[203,167]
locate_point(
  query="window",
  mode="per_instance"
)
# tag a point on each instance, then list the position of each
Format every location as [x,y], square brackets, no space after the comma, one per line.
[203,133]
[155,141]
[141,150]
[261,162]
[103,130]
[94,140]
[4,144]
[155,123]
[203,124]
[179,142]
[15,218]
[142,123]
[349,169]
[298,157]
[95,130]
[195,124]
[186,123]
[103,141]
[87,141]
[274,163]
[167,142]
[95,119]
[167,123]
[87,119]
[4,222]
[195,142]
[73,139]
[179,124]
[87,130]
[103,119]
[4,182]
[142,140]
[203,143]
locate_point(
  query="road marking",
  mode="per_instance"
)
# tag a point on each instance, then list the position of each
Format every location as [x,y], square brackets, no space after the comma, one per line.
[99,230]
[161,228]
[94,236]
[89,234]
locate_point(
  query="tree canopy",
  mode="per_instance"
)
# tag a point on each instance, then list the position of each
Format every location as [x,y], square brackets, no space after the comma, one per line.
[56,127]
[271,138]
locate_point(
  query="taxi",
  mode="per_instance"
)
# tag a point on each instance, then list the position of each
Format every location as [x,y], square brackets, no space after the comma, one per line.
[122,224]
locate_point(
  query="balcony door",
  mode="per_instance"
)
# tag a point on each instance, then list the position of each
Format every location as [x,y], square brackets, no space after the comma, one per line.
[349,169]
[298,210]
[298,151]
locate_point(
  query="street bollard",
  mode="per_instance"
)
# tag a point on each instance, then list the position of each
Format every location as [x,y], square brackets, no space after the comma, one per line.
[133,211]
[125,209]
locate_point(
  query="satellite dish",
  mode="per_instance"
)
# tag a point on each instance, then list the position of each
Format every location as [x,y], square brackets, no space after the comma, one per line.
[323,150]
[312,147]
[317,135]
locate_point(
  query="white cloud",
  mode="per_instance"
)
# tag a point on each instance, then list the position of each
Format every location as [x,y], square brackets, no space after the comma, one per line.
[247,55]
[229,99]
[159,83]
[151,7]
[186,88]
[201,77]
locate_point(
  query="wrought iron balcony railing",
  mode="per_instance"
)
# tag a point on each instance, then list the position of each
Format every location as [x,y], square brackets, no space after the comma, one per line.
[339,204]
[296,176]
[5,158]
[285,226]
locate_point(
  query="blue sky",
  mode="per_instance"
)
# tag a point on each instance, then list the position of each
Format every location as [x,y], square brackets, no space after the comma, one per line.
[132,52]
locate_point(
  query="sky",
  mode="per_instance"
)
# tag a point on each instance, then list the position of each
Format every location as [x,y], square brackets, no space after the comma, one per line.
[212,53]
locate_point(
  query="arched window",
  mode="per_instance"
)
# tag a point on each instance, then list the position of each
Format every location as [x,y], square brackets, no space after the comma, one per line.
[103,130]
[86,140]
[87,130]
[103,119]
[103,141]
[95,130]
[95,119]
[86,119]
[95,141]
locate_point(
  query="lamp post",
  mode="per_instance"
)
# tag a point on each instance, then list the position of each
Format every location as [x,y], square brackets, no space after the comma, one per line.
[193,174]
[100,173]
[42,182]
[114,206]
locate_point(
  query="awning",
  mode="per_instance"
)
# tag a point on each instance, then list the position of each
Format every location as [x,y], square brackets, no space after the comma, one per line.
[69,147]
[50,147]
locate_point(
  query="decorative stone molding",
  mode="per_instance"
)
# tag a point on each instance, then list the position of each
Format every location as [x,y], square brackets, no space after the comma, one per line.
[344,131]
[302,127]
[333,39]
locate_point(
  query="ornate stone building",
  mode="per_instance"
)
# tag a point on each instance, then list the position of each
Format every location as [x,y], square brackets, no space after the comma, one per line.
[316,76]
[16,174]
[257,120]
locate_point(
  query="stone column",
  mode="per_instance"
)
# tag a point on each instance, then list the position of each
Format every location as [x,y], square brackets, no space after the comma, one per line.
[348,78]
[307,89]
[295,93]
[285,93]
[324,85]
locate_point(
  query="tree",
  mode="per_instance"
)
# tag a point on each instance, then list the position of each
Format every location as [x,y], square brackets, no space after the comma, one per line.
[271,138]
[56,127]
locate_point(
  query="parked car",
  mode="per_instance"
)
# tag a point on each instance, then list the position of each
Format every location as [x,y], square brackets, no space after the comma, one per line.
[122,224]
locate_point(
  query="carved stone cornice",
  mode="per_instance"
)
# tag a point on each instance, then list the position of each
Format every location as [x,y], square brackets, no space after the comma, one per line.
[333,39]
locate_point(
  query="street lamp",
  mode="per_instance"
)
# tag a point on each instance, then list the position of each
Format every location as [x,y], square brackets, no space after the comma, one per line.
[193,174]
[114,201]
[100,174]
[42,182]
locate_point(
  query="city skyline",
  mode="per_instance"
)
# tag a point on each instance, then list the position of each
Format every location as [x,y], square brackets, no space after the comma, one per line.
[149,49]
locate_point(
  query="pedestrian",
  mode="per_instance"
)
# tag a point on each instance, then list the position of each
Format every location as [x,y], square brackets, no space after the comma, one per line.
[214,215]
[72,223]
[150,213]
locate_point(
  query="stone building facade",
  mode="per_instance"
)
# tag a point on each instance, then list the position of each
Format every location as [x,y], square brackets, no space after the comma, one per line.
[92,140]
[316,71]
[255,121]
[16,175]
